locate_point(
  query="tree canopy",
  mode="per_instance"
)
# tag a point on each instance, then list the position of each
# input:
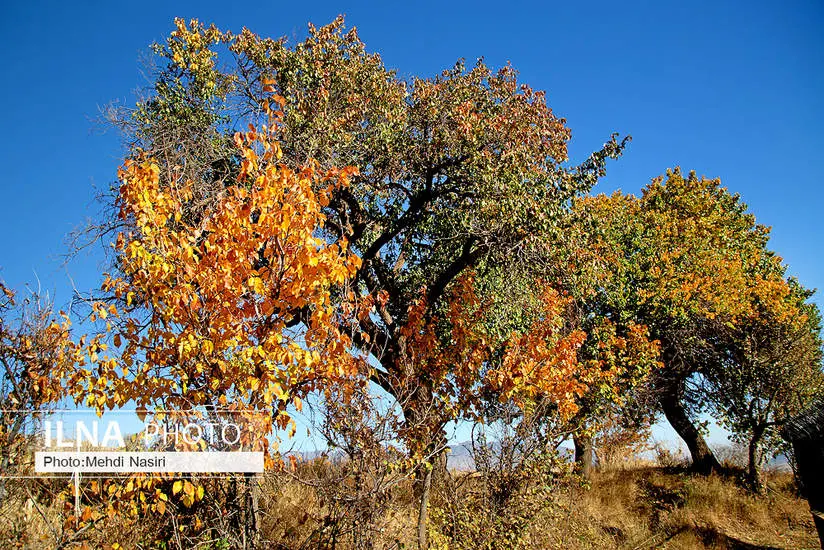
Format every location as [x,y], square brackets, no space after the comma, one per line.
[688,261]
[446,179]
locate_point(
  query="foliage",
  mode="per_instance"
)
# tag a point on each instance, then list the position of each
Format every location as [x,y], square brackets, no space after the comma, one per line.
[465,371]
[206,304]
[682,258]
[454,174]
[33,341]
[773,374]
[518,472]
[687,261]
[300,221]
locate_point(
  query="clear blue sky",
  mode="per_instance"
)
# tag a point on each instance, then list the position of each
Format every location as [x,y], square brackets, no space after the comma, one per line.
[730,89]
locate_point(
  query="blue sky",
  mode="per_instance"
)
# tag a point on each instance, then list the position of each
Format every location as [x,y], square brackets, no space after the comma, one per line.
[729,89]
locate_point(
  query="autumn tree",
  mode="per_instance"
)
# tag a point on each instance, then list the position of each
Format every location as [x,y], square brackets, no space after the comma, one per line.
[772,373]
[686,260]
[584,266]
[453,177]
[34,339]
[625,349]
[201,306]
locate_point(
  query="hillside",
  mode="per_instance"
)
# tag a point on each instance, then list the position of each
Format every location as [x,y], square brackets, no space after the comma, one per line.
[638,508]
[652,507]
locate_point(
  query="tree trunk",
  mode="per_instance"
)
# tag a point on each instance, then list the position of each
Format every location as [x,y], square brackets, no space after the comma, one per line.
[584,454]
[421,414]
[242,504]
[423,510]
[252,523]
[754,461]
[433,469]
[703,460]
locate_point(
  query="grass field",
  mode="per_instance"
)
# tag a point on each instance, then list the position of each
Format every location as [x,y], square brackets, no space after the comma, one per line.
[639,506]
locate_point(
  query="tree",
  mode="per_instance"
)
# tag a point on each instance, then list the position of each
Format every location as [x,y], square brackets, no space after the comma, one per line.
[206,302]
[453,177]
[33,341]
[627,351]
[686,260]
[771,374]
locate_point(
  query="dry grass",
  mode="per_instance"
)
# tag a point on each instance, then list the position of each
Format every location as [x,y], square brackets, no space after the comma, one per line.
[639,507]
[649,507]
[295,515]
